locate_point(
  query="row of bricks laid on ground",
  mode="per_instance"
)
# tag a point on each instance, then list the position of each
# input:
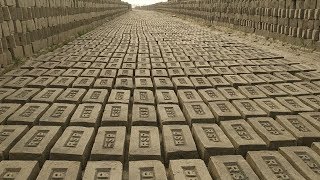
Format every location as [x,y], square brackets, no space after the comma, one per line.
[299,19]
[28,26]
[297,162]
[178,141]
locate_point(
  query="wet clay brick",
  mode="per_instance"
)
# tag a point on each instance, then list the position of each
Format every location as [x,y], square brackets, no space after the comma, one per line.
[57,115]
[251,92]
[6,110]
[103,83]
[115,115]
[4,92]
[22,95]
[271,90]
[109,144]
[211,141]
[142,96]
[303,159]
[62,82]
[144,115]
[41,82]
[231,93]
[18,82]
[47,95]
[316,147]
[9,136]
[242,136]
[271,165]
[310,87]
[210,95]
[19,170]
[218,81]
[186,169]
[272,107]
[73,145]
[83,82]
[292,89]
[170,114]
[182,83]
[272,132]
[224,110]
[252,79]
[300,128]
[163,83]
[311,101]
[148,169]
[72,73]
[313,118]
[96,96]
[103,170]
[144,143]
[200,82]
[178,143]
[124,83]
[248,108]
[235,80]
[294,104]
[28,114]
[4,80]
[188,96]
[230,167]
[143,83]
[72,95]
[119,96]
[197,112]
[87,114]
[60,170]
[166,97]
[36,144]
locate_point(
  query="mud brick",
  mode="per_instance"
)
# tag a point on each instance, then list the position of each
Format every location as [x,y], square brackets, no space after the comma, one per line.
[311,101]
[182,83]
[197,112]
[159,73]
[170,114]
[309,76]
[104,83]
[72,95]
[36,144]
[62,82]
[98,65]
[166,97]
[49,65]
[54,72]
[4,92]
[143,83]
[186,64]
[57,115]
[271,165]
[231,93]
[251,92]
[210,95]
[230,167]
[82,65]
[304,67]
[18,82]
[47,95]
[28,114]
[252,79]
[6,110]
[119,96]
[235,80]
[41,82]
[65,64]
[294,104]
[147,169]
[312,118]
[292,89]
[144,143]
[19,170]
[240,70]
[188,96]
[272,107]
[22,95]
[307,86]
[300,128]
[192,72]
[144,115]
[109,144]
[272,132]
[87,114]
[200,82]
[142,96]
[242,136]
[124,83]
[9,136]
[248,108]
[83,82]
[125,73]
[208,71]
[185,169]
[115,115]
[211,141]
[224,110]
[216,63]
[73,72]
[271,90]
[287,77]
[255,69]
[73,145]
[16,72]
[108,73]
[4,80]
[178,142]
[303,159]
[223,70]
[269,78]
[316,147]
[103,170]
[60,170]
[91,73]
[96,96]
[163,83]
[35,72]
[142,73]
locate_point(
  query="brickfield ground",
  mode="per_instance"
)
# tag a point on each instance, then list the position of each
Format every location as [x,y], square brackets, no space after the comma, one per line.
[151,96]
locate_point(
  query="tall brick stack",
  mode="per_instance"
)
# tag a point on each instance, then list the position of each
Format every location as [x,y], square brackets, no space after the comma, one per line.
[293,21]
[26,26]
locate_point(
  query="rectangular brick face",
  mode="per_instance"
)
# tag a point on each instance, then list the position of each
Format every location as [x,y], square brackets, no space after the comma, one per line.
[115,115]
[87,114]
[60,170]
[58,114]
[147,169]
[19,169]
[103,170]
[188,169]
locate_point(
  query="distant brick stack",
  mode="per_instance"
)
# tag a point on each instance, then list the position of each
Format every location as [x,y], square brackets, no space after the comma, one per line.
[26,26]
[293,21]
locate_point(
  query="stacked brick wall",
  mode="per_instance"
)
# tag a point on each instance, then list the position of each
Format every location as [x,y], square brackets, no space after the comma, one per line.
[293,21]
[26,26]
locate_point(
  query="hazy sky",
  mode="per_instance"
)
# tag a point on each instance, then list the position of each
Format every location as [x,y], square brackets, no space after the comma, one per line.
[143,2]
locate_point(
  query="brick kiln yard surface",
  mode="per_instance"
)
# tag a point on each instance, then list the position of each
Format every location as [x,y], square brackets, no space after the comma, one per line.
[150,96]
